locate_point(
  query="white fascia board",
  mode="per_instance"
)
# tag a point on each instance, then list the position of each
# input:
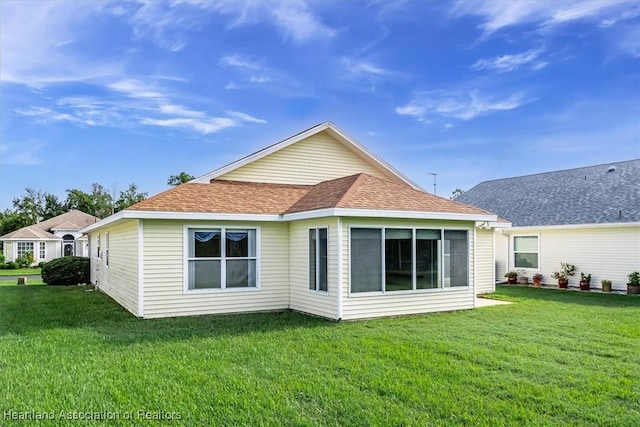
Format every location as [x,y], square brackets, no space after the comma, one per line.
[573,227]
[371,213]
[31,239]
[192,216]
[492,224]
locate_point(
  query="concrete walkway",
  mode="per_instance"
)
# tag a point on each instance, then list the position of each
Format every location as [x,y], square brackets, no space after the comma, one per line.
[28,276]
[486,302]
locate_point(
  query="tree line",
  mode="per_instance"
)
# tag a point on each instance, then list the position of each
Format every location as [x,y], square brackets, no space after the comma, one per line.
[36,205]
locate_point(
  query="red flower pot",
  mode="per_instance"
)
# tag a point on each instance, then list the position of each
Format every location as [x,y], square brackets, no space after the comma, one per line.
[563,283]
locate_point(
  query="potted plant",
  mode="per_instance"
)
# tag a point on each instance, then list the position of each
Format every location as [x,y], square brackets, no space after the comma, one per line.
[585,281]
[566,271]
[606,285]
[524,280]
[537,280]
[633,287]
[511,276]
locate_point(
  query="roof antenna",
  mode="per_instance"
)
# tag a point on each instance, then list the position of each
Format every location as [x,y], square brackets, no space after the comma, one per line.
[434,182]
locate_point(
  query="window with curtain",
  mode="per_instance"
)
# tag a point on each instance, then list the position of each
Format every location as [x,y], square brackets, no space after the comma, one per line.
[525,251]
[413,259]
[222,259]
[318,259]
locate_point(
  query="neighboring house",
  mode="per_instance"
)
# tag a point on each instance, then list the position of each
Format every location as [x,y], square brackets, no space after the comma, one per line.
[315,223]
[56,237]
[588,216]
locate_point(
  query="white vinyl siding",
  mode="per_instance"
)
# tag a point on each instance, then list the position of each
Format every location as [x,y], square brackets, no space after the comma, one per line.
[606,253]
[164,271]
[361,306]
[120,279]
[303,299]
[310,161]
[485,269]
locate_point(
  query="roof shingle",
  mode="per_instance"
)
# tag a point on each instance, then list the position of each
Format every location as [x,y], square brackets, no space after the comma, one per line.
[587,195]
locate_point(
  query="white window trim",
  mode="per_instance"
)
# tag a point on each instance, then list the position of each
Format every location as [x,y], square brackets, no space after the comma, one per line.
[25,242]
[42,248]
[512,262]
[413,229]
[318,291]
[106,249]
[206,227]
[98,247]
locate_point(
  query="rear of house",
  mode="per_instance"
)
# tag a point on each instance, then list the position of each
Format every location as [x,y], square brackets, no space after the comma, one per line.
[352,241]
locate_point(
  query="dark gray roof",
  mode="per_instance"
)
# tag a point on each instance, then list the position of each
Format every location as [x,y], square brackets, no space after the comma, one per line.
[588,195]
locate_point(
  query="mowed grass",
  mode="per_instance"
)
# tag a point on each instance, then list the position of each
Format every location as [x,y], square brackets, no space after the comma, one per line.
[552,358]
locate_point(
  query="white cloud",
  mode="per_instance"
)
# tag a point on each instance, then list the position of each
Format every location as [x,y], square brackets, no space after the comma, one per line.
[544,13]
[245,117]
[22,154]
[37,43]
[364,68]
[502,64]
[205,126]
[231,86]
[296,21]
[240,62]
[260,79]
[463,105]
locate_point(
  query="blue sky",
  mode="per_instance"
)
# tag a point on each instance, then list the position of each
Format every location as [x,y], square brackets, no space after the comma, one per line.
[132,92]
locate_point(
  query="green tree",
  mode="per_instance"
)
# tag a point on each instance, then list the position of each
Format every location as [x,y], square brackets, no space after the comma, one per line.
[11,221]
[37,205]
[181,178]
[98,203]
[129,197]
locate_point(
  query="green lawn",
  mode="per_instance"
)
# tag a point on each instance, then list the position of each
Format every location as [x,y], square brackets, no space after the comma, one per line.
[553,358]
[20,272]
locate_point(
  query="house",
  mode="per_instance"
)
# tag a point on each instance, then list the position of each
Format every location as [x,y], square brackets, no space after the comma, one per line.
[53,238]
[588,216]
[315,223]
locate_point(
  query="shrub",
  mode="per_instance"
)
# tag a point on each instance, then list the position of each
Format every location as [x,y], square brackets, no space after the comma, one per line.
[41,264]
[21,262]
[2,260]
[11,265]
[69,270]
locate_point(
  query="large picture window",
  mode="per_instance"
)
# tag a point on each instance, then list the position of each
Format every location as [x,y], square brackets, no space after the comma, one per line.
[221,258]
[318,259]
[24,248]
[525,251]
[396,259]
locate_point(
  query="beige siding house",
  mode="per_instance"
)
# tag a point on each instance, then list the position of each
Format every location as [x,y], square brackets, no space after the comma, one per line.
[588,217]
[315,223]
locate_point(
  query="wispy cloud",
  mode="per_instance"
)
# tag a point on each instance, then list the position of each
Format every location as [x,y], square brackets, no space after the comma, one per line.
[240,61]
[22,154]
[244,117]
[505,63]
[463,105]
[363,67]
[497,15]
[203,126]
[296,22]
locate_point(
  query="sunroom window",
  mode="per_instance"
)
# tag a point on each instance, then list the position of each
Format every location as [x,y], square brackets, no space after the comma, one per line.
[397,259]
[222,258]
[318,259]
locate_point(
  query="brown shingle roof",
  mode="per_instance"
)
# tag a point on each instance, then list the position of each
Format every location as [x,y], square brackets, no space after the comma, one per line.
[225,197]
[364,191]
[360,191]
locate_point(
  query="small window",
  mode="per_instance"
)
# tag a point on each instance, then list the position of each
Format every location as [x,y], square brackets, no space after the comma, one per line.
[525,251]
[98,247]
[43,250]
[318,259]
[106,250]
